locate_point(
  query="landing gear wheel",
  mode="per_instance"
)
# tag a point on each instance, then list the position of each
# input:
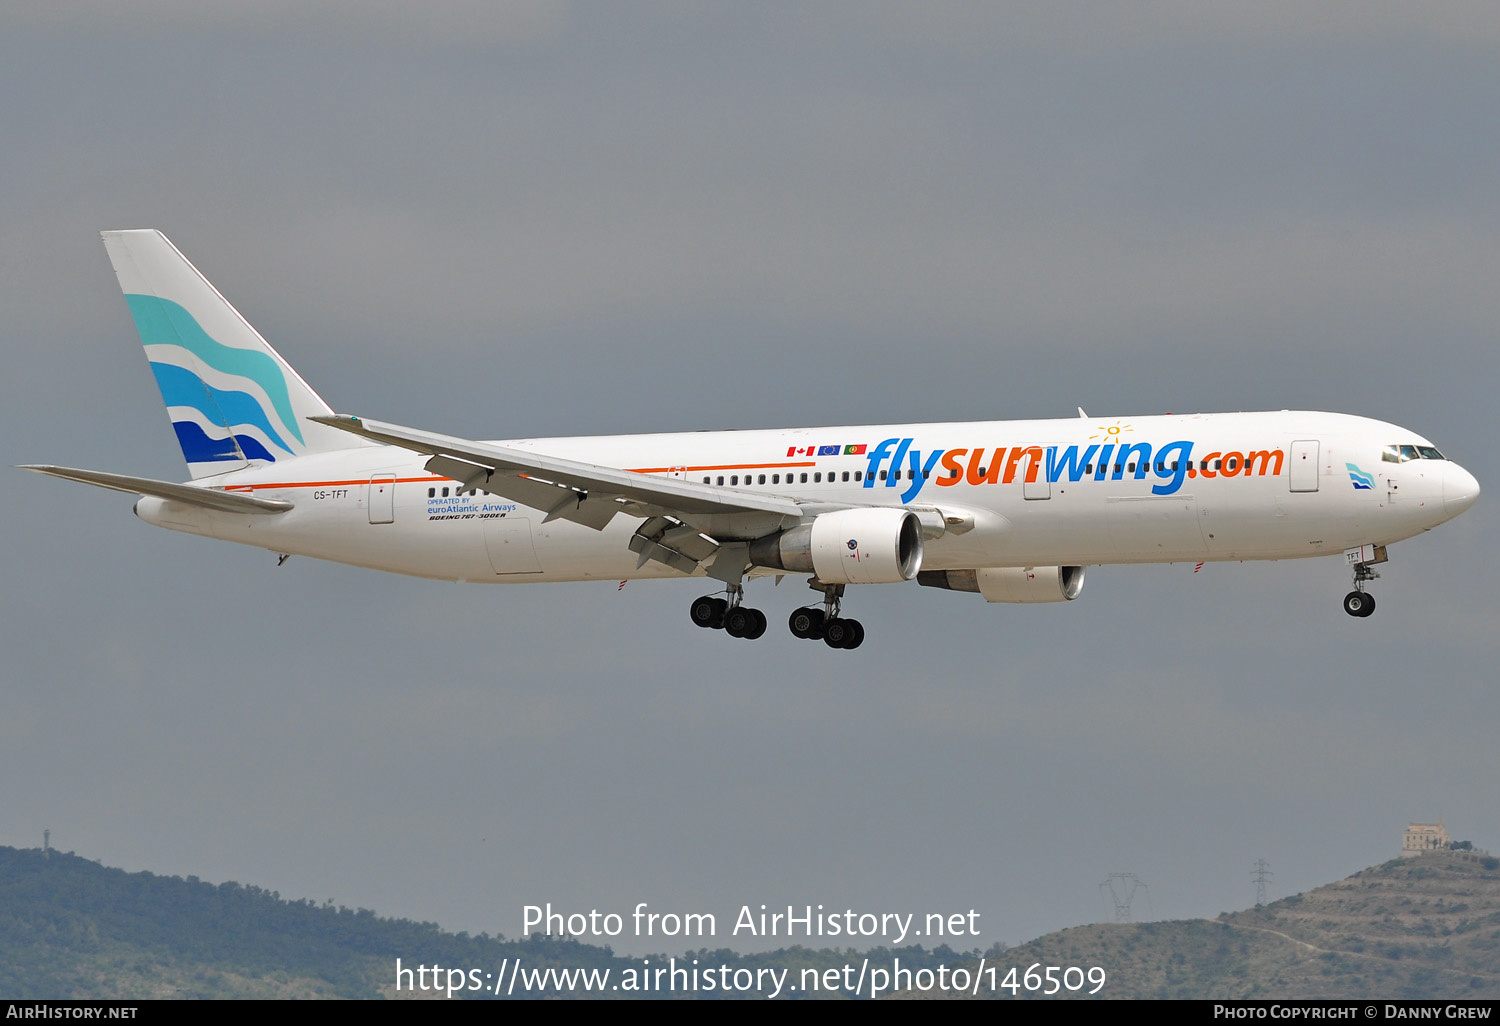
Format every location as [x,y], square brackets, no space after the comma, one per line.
[738,622]
[757,625]
[709,612]
[806,622]
[836,633]
[1357,603]
[856,634]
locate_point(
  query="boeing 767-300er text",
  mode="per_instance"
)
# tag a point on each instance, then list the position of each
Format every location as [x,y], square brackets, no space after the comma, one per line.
[1009,510]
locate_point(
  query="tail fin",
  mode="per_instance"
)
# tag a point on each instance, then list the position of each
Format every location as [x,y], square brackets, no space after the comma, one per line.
[233,400]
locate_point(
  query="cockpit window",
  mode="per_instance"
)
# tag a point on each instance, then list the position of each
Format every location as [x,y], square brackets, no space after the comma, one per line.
[1403,453]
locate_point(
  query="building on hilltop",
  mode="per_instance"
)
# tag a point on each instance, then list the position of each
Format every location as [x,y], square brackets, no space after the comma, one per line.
[1424,837]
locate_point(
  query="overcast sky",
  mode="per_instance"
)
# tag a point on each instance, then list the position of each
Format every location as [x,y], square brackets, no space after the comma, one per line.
[541,219]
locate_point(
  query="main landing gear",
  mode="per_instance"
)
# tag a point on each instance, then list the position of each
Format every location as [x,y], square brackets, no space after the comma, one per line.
[813,623]
[737,620]
[728,615]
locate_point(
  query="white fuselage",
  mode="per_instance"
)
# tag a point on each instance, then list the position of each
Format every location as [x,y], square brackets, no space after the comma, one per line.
[1025,493]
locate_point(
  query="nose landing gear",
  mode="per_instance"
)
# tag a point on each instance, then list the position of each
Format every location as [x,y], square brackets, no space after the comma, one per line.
[1363,560]
[813,623]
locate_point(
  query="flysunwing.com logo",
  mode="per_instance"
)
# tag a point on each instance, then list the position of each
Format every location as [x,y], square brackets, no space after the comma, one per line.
[896,461]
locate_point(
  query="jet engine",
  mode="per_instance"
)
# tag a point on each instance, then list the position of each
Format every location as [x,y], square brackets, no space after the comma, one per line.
[848,546]
[1011,583]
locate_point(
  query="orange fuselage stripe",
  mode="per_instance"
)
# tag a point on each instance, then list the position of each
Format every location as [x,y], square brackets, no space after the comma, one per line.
[419,480]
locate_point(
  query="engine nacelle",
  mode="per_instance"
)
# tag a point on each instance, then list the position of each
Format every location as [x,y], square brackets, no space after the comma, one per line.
[848,546]
[1011,583]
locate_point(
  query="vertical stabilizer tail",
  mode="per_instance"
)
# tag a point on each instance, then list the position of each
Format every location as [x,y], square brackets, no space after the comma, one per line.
[234,402]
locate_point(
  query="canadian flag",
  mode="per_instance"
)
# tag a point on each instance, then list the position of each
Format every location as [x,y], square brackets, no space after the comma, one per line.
[809,451]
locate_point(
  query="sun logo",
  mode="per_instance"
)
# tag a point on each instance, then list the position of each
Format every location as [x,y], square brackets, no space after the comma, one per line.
[1111,433]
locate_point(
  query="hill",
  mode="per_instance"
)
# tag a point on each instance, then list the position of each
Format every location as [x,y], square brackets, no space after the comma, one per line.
[71,928]
[1423,928]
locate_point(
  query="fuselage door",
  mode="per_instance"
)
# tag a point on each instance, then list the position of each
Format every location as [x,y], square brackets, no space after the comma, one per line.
[1303,473]
[382,503]
[1034,466]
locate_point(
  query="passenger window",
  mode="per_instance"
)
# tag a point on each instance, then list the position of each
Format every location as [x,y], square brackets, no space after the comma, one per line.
[431,493]
[1216,464]
[984,472]
[1088,468]
[1130,467]
[804,477]
[925,474]
[721,479]
[705,480]
[445,493]
[882,475]
[846,475]
[818,477]
[858,474]
[762,479]
[776,479]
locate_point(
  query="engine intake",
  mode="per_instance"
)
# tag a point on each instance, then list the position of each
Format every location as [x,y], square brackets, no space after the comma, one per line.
[1011,583]
[848,546]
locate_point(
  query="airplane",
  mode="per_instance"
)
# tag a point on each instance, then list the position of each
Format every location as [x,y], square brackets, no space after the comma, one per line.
[1012,511]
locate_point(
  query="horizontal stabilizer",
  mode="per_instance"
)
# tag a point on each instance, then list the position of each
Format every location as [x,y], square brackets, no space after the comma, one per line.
[195,495]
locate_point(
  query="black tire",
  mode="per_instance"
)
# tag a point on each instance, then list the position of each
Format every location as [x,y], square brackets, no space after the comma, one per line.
[757,625]
[806,622]
[1369,605]
[856,635]
[738,621]
[835,632]
[1357,603]
[705,612]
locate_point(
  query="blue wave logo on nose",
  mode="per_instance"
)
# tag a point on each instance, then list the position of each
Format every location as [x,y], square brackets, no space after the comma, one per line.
[1363,482]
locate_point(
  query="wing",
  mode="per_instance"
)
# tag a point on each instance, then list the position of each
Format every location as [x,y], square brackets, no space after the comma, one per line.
[679,514]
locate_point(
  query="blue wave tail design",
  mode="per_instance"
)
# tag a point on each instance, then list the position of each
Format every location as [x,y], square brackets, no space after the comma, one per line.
[163,322]
[1363,482]
[198,447]
[181,387]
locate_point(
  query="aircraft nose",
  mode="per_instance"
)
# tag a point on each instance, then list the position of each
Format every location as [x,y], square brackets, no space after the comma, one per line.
[1460,490]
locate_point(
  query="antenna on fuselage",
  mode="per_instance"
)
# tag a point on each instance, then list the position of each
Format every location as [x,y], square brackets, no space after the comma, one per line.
[1081,414]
